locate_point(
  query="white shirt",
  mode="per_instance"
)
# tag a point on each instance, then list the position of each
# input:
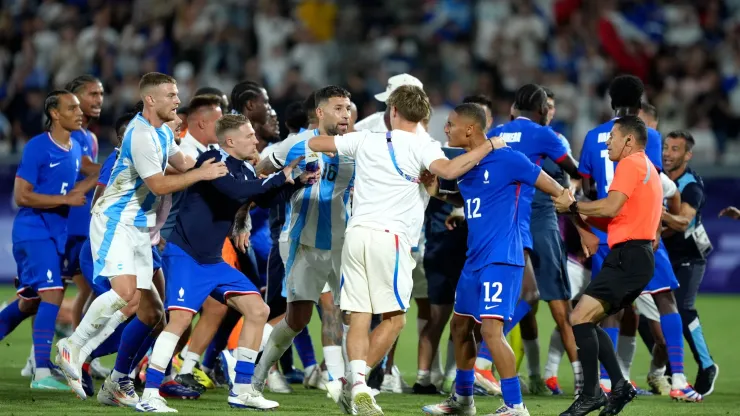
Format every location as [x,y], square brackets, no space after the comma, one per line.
[144,153]
[317,215]
[190,146]
[383,199]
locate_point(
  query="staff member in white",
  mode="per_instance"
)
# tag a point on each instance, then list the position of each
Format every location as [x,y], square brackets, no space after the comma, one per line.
[387,212]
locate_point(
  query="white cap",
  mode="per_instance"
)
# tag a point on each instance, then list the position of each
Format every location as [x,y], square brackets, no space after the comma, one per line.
[397,81]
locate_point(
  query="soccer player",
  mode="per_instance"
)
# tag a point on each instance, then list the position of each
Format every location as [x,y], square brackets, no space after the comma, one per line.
[626,92]
[387,215]
[529,134]
[311,240]
[631,215]
[196,268]
[688,247]
[119,230]
[44,192]
[490,284]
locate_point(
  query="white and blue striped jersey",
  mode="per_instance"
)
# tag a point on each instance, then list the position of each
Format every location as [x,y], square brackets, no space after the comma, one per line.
[144,153]
[316,215]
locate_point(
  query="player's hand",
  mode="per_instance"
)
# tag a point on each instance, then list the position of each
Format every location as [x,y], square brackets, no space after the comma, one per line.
[75,199]
[241,241]
[589,243]
[288,170]
[427,178]
[452,221]
[161,244]
[564,201]
[730,212]
[211,169]
[306,177]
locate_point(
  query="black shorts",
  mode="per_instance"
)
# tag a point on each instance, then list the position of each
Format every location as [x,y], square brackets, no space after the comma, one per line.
[275,274]
[443,266]
[627,269]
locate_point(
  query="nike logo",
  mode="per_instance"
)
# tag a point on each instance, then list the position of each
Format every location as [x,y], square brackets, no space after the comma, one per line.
[460,180]
[53,165]
[85,148]
[488,307]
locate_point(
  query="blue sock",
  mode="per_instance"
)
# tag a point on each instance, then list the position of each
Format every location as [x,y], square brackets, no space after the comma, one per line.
[244,372]
[700,344]
[614,336]
[111,344]
[304,346]
[521,310]
[484,352]
[464,382]
[136,340]
[512,391]
[43,333]
[673,333]
[154,378]
[209,357]
[10,317]
[220,340]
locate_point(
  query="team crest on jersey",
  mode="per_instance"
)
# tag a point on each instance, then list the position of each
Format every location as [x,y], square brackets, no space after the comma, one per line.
[181,294]
[485,176]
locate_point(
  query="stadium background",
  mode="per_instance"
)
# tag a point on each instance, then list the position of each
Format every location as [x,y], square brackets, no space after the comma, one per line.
[687,52]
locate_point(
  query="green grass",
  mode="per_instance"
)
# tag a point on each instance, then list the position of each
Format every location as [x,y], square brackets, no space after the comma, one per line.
[717,317]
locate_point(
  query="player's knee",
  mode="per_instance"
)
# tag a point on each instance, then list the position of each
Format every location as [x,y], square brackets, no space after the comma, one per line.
[179,322]
[255,310]
[492,329]
[29,306]
[461,327]
[153,317]
[127,293]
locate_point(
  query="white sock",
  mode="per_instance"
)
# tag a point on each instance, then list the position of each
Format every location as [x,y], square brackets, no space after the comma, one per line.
[115,375]
[532,351]
[185,350]
[626,347]
[358,372]
[554,354]
[577,375]
[32,357]
[266,331]
[655,370]
[94,342]
[678,381]
[164,349]
[450,363]
[280,339]
[41,373]
[423,377]
[98,314]
[244,354]
[334,361]
[189,359]
[345,331]
[464,400]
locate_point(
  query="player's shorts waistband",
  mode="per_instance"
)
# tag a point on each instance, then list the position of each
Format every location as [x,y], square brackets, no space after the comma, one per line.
[632,243]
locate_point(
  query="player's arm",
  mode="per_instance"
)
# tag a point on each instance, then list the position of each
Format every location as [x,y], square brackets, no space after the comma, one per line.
[460,165]
[181,162]
[692,196]
[160,184]
[608,207]
[569,166]
[730,212]
[326,144]
[245,191]
[26,197]
[91,170]
[548,185]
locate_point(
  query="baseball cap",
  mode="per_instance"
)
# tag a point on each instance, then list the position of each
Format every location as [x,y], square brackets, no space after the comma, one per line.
[397,81]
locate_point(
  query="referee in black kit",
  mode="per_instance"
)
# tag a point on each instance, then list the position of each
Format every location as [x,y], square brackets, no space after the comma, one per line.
[688,247]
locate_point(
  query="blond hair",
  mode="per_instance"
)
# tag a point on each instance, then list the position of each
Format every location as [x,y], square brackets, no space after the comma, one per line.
[153,79]
[229,122]
[411,102]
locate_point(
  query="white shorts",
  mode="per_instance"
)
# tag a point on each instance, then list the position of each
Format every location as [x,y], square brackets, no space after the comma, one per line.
[646,307]
[420,289]
[121,249]
[309,272]
[579,278]
[377,268]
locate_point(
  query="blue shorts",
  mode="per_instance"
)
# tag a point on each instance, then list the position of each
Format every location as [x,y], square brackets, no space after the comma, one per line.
[550,264]
[189,283]
[597,260]
[39,267]
[491,292]
[156,259]
[664,278]
[87,268]
[275,273]
[524,231]
[71,259]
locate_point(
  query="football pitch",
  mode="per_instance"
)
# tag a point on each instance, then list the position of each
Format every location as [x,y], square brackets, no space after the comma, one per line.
[717,313]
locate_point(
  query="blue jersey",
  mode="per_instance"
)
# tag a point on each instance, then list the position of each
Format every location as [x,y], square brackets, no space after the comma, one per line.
[52,170]
[595,162]
[536,142]
[492,192]
[79,217]
[107,167]
[544,216]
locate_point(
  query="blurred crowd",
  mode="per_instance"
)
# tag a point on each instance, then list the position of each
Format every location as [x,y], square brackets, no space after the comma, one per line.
[686,51]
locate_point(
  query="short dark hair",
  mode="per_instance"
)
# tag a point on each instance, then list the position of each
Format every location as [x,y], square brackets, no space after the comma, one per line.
[295,116]
[530,97]
[633,125]
[79,82]
[649,109]
[124,120]
[213,91]
[309,106]
[683,134]
[330,91]
[52,103]
[548,92]
[474,112]
[206,100]
[411,102]
[479,99]
[153,79]
[626,92]
[244,92]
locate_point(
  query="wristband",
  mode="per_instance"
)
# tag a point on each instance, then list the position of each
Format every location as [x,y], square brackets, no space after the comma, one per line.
[493,149]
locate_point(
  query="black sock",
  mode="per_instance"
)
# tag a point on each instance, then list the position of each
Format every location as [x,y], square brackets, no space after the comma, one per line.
[588,353]
[608,357]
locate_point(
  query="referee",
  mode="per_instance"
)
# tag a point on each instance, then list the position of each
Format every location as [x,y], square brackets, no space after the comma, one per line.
[630,214]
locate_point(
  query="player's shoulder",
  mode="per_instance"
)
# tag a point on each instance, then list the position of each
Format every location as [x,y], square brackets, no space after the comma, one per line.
[111,158]
[40,141]
[217,154]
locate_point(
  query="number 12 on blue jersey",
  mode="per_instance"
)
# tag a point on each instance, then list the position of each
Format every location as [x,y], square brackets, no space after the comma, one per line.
[473,207]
